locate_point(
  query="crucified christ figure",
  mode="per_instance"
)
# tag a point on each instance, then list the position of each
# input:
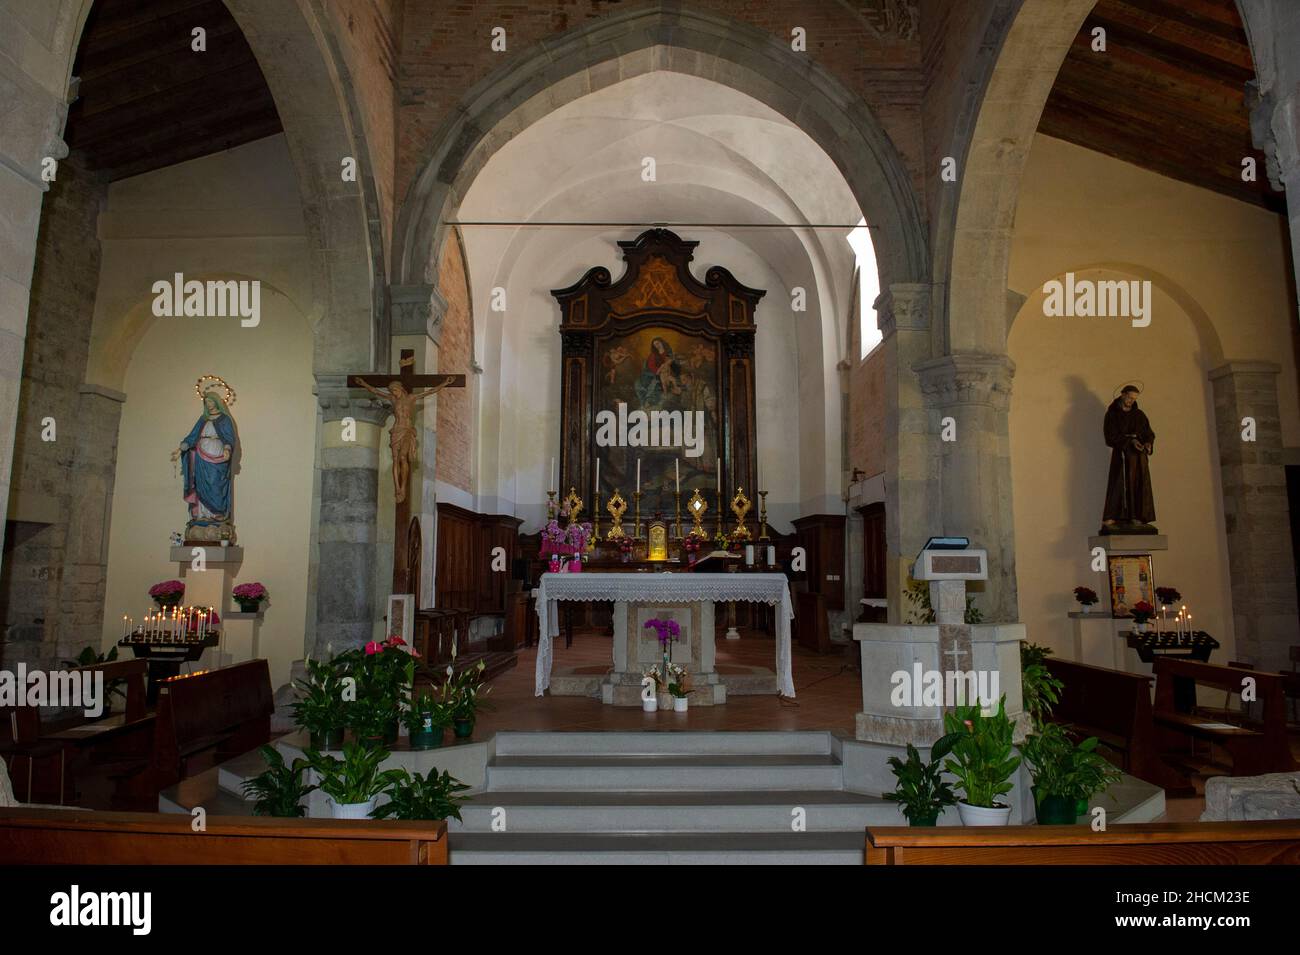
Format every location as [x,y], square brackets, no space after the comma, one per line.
[403,439]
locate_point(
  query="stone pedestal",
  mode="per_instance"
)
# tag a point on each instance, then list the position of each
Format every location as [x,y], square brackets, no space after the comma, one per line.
[888,650]
[636,649]
[1095,640]
[211,586]
[241,635]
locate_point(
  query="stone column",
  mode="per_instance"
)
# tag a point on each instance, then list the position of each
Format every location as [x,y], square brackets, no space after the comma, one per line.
[1255,512]
[968,398]
[911,466]
[417,313]
[351,426]
[90,486]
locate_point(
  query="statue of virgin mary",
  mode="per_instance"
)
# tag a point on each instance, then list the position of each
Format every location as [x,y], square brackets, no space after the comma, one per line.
[207,454]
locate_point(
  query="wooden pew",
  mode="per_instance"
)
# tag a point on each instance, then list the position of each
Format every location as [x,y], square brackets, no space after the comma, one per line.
[1255,747]
[1115,707]
[78,837]
[1271,842]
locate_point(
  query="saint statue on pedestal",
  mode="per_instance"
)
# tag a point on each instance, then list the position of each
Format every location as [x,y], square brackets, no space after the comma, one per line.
[207,456]
[1130,507]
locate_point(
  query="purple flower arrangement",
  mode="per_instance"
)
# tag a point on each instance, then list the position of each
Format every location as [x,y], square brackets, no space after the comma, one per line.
[167,593]
[666,630]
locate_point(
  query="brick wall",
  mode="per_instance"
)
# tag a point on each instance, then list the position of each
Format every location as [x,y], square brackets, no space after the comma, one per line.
[446,49]
[51,597]
[455,407]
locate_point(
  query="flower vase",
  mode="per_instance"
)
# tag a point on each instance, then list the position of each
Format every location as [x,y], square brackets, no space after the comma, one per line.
[575,565]
[680,704]
[1085,608]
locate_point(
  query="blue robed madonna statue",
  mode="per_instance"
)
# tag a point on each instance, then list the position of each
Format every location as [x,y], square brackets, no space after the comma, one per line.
[207,456]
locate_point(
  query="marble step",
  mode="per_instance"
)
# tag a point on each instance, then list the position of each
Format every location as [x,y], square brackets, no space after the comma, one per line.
[688,742]
[664,773]
[648,812]
[741,848]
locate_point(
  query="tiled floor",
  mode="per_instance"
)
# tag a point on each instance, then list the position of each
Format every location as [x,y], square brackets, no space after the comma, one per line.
[827,690]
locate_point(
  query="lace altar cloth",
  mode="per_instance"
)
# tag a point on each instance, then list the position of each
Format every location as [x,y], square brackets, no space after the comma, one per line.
[666,589]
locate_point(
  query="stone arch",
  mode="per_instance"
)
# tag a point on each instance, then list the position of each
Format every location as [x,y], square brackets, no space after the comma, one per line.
[974,246]
[662,36]
[1206,333]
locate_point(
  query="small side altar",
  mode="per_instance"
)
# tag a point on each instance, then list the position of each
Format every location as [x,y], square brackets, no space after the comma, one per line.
[687,598]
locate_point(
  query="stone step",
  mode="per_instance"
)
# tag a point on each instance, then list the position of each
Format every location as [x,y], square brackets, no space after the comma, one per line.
[232,773]
[648,812]
[666,742]
[664,773]
[742,848]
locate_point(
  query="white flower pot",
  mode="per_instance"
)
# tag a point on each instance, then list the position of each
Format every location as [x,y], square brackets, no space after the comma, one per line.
[680,704]
[650,705]
[352,810]
[982,816]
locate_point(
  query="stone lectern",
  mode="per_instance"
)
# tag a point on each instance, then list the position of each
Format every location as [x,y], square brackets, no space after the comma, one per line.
[913,673]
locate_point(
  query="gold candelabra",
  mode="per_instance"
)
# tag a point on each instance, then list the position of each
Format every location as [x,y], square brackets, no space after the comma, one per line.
[595,517]
[677,514]
[762,516]
[720,535]
[636,532]
[550,503]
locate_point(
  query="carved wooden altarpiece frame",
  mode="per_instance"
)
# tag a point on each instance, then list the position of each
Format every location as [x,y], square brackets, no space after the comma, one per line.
[658,291]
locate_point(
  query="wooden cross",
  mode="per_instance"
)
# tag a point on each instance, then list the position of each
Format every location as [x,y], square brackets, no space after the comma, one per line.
[402,391]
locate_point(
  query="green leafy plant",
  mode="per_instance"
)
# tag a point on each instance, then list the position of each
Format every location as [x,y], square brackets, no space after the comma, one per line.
[431,796]
[1059,767]
[464,692]
[434,705]
[320,707]
[354,778]
[88,658]
[280,789]
[982,756]
[382,674]
[920,611]
[922,791]
[1039,690]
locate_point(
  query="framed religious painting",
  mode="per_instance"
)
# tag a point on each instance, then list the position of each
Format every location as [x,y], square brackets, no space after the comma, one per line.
[1131,580]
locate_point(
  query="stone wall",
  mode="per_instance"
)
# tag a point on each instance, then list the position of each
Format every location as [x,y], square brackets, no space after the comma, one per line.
[455,357]
[871,47]
[52,584]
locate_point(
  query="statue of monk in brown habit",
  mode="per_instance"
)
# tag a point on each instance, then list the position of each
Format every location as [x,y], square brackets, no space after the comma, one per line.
[1130,508]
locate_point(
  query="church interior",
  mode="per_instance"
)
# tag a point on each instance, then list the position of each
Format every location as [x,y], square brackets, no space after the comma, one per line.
[649,432]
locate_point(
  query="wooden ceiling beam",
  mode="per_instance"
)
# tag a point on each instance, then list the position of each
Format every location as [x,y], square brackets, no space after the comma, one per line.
[1181,58]
[114,23]
[185,151]
[211,134]
[145,50]
[1225,41]
[165,78]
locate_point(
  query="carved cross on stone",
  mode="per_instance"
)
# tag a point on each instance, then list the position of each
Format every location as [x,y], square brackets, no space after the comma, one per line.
[402,392]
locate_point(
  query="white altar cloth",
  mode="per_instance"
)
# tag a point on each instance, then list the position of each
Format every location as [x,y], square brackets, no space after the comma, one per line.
[665,588]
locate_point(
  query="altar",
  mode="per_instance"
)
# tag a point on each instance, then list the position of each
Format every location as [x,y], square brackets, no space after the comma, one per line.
[688,599]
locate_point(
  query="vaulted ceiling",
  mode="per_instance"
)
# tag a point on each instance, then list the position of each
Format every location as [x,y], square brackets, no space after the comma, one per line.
[146,99]
[1167,94]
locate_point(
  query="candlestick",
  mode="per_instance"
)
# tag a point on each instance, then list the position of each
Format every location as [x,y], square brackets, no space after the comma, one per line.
[636,497]
[677,512]
[762,516]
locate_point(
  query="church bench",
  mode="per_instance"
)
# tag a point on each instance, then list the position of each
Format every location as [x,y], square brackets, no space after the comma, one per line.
[1255,747]
[79,837]
[1114,706]
[1272,842]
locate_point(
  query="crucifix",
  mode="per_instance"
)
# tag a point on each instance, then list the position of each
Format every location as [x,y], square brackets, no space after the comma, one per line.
[401,392]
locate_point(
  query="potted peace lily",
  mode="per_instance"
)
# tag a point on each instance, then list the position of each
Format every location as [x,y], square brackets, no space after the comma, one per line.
[431,796]
[280,789]
[1065,775]
[250,596]
[922,793]
[427,719]
[320,708]
[463,692]
[982,758]
[354,782]
[383,674]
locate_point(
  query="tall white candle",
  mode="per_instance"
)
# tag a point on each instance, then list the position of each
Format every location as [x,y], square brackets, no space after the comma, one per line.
[598,475]
[719,475]
[555,477]
[638,474]
[677,471]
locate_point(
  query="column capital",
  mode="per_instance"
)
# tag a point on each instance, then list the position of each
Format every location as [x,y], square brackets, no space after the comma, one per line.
[417,310]
[1233,368]
[338,401]
[903,306]
[966,379]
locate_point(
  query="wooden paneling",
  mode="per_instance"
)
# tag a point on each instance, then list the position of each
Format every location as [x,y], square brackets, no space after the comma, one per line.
[873,549]
[466,540]
[822,538]
[56,837]
[1216,843]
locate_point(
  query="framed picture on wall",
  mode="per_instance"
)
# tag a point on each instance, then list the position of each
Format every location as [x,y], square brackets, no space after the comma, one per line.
[1131,580]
